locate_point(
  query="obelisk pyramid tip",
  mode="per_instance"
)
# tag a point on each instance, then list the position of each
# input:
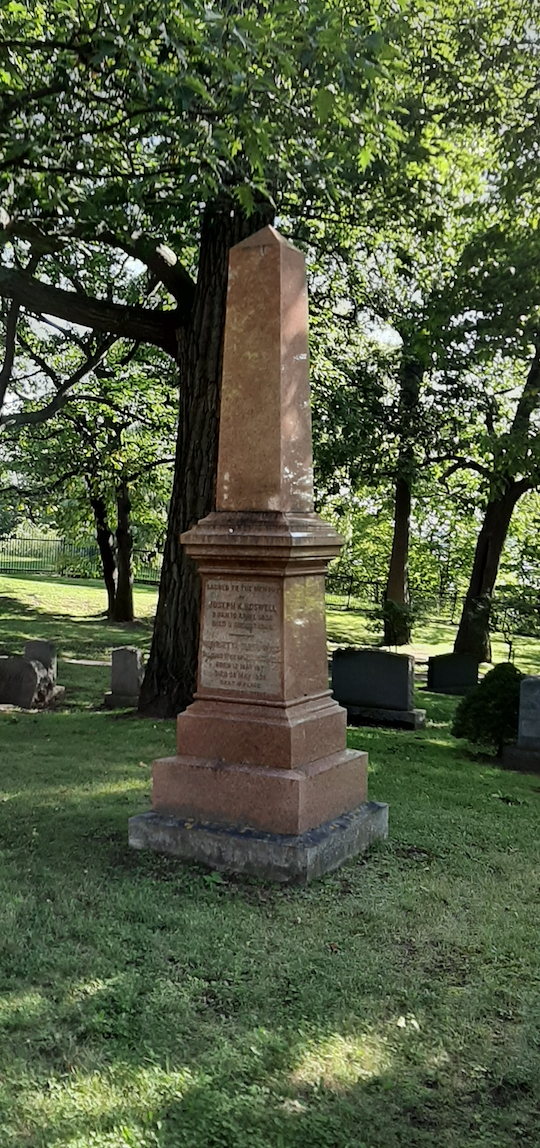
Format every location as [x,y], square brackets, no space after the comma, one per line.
[266,237]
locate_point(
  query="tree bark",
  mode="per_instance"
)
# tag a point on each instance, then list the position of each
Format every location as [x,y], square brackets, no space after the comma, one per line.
[396,609]
[397,625]
[106,550]
[473,632]
[123,603]
[170,676]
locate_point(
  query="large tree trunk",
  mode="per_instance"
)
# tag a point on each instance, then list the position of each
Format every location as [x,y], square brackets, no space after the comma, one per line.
[397,627]
[123,604]
[106,550]
[170,676]
[473,632]
[396,610]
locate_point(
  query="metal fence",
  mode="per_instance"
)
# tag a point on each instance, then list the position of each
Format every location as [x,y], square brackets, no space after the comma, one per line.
[61,557]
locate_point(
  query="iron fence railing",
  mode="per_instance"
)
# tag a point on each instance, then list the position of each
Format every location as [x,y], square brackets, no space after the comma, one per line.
[62,557]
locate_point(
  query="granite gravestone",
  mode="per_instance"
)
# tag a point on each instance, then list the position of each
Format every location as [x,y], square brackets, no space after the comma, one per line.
[455,674]
[45,652]
[525,755]
[126,678]
[262,781]
[376,687]
[20,682]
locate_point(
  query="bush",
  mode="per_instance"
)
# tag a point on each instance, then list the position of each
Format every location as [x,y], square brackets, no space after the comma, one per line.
[490,713]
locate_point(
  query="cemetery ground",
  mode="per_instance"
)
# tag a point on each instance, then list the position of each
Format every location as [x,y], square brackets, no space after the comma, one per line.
[393,1004]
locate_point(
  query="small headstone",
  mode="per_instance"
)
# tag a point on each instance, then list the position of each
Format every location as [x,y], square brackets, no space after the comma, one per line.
[525,755]
[44,652]
[126,677]
[376,686]
[20,682]
[529,714]
[455,674]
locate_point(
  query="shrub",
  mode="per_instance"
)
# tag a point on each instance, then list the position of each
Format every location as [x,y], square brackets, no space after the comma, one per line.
[490,713]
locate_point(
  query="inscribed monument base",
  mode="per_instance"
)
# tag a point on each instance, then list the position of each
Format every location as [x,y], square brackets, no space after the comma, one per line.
[272,857]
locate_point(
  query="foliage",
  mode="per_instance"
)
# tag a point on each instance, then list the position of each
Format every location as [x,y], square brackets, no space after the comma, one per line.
[489,714]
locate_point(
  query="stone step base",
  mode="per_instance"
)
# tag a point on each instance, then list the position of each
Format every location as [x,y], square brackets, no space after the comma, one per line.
[516,757]
[269,856]
[120,701]
[401,719]
[284,801]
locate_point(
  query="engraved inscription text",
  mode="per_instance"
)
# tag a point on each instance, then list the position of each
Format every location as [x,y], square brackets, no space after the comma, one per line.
[240,640]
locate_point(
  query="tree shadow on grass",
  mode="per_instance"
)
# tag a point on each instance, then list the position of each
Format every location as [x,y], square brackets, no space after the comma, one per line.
[147,1003]
[216,1081]
[74,637]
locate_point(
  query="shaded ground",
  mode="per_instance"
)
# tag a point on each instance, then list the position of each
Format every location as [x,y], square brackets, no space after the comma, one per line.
[146,1003]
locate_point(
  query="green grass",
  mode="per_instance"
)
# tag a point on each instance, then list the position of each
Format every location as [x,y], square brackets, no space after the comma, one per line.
[73,615]
[394,1004]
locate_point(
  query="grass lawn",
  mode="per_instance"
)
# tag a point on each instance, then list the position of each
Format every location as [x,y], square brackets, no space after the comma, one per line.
[145,1003]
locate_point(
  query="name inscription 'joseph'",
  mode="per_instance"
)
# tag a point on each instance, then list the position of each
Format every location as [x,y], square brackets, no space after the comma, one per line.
[240,642]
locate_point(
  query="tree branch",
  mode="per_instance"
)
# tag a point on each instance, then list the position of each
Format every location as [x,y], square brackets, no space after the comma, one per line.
[156,255]
[39,491]
[11,336]
[156,327]
[465,464]
[31,418]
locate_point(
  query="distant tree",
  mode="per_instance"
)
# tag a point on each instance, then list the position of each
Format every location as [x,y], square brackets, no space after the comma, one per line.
[104,445]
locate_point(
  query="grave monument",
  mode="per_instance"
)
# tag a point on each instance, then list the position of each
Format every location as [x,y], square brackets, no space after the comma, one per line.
[376,687]
[262,782]
[525,755]
[30,681]
[455,674]
[126,678]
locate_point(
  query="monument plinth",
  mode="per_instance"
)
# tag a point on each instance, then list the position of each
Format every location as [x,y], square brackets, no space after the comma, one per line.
[261,753]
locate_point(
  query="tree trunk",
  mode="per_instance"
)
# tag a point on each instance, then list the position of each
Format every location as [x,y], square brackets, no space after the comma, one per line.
[106,550]
[170,677]
[123,605]
[473,632]
[396,608]
[397,625]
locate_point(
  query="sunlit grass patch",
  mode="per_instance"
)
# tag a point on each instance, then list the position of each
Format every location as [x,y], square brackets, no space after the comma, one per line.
[337,1061]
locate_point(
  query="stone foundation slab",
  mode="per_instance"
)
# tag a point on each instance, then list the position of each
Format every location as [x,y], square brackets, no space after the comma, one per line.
[516,757]
[120,701]
[401,719]
[269,856]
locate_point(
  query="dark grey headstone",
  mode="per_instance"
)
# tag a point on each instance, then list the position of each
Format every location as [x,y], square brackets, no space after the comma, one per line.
[529,714]
[19,682]
[373,679]
[452,674]
[127,672]
[44,652]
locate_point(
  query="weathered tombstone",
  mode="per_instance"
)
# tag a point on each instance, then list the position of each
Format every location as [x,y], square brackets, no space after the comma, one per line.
[44,652]
[526,754]
[126,678]
[20,682]
[262,782]
[376,687]
[455,674]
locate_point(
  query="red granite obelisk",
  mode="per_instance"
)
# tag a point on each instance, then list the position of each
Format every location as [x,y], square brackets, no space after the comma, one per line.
[262,771]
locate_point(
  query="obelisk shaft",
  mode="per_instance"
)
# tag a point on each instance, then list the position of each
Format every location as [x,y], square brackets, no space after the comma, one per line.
[265,460]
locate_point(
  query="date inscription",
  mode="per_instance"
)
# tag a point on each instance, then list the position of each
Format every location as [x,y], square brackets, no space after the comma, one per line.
[240,640]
